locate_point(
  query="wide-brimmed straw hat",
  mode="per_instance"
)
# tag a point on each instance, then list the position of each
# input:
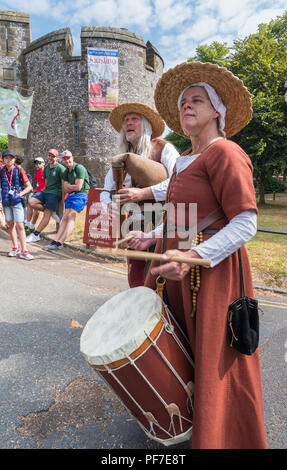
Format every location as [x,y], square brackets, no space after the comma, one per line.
[234,95]
[117,116]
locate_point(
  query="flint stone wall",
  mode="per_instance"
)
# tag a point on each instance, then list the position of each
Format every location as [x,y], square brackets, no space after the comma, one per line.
[14,37]
[60,82]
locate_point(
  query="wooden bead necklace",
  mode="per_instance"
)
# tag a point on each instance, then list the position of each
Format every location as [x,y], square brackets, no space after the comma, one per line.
[195,276]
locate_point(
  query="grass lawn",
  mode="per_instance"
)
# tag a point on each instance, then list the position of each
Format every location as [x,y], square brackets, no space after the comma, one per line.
[267,252]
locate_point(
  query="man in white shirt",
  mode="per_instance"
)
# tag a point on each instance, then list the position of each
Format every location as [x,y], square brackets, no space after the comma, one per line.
[139,128]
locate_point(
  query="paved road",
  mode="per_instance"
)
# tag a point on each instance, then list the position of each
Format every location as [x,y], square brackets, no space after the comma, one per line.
[49,396]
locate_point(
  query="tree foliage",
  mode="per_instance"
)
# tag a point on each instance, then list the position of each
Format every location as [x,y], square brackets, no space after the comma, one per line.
[260,61]
[3,142]
[216,53]
[180,143]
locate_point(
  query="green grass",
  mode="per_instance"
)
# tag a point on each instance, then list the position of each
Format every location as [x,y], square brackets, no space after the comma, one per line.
[268,251]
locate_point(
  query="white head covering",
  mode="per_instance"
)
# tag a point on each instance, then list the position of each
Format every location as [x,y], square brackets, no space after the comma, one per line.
[215,101]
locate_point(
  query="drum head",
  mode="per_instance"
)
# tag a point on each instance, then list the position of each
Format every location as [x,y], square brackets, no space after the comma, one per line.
[120,325]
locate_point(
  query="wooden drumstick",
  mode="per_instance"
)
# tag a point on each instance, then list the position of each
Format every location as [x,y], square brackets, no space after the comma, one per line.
[133,254]
[123,240]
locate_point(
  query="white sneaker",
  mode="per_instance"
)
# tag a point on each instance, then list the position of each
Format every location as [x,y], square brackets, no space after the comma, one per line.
[14,252]
[26,255]
[33,238]
[56,217]
[28,224]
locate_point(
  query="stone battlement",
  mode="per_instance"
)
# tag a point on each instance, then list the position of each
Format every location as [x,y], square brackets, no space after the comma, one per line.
[60,115]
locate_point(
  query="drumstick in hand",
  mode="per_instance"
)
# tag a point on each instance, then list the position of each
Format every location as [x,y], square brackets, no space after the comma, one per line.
[123,240]
[133,254]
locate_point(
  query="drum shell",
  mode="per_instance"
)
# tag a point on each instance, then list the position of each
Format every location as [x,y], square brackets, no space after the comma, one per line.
[148,385]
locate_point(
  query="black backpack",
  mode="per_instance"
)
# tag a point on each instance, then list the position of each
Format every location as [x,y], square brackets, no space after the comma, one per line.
[92,180]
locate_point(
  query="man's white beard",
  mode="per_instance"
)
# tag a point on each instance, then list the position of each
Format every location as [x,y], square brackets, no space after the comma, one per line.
[130,137]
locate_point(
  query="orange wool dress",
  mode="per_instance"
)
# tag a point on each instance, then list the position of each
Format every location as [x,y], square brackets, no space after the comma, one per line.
[228,404]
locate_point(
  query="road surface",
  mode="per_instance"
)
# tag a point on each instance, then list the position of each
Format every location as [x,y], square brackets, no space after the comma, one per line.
[50,398]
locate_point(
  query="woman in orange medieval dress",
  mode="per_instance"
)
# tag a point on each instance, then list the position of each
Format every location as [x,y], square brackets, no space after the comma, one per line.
[208,104]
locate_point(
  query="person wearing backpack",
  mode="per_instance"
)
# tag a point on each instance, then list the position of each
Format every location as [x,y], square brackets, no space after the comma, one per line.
[11,197]
[76,183]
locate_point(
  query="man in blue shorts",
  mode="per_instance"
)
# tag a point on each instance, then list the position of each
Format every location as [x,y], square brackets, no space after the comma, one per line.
[48,199]
[76,184]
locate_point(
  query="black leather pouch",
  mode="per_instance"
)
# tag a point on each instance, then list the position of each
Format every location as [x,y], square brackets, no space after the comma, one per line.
[243,321]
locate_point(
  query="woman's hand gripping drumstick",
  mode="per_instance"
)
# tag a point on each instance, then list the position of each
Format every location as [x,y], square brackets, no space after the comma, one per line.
[123,241]
[175,264]
[137,240]
[175,270]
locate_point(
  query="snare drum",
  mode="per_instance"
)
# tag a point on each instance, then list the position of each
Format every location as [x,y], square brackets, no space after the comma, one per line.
[135,344]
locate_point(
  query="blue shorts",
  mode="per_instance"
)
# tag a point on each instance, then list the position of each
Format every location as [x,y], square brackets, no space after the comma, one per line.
[76,201]
[14,213]
[48,200]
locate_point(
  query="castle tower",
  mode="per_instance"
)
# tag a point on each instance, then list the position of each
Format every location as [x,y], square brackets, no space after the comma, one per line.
[15,36]
[60,114]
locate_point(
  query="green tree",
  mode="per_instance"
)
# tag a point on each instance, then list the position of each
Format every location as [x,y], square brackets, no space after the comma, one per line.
[180,143]
[3,142]
[215,53]
[260,61]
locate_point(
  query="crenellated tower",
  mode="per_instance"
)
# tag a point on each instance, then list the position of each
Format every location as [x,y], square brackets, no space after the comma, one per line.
[60,115]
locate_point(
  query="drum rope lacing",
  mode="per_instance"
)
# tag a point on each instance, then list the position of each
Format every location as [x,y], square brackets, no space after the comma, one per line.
[170,329]
[186,387]
[171,408]
[160,282]
[189,387]
[168,407]
[147,414]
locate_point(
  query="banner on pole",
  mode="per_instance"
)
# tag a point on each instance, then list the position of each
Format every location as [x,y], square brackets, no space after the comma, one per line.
[15,111]
[103,79]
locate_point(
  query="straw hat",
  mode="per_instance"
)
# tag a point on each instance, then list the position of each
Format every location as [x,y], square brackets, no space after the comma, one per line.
[231,90]
[117,116]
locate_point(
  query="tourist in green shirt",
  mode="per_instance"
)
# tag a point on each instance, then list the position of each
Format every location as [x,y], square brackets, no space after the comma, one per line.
[54,176]
[76,184]
[74,172]
[48,199]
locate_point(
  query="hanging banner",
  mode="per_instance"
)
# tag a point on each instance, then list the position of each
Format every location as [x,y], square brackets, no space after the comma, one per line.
[103,79]
[15,111]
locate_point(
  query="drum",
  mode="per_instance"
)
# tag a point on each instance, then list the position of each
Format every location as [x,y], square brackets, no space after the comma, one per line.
[144,171]
[136,345]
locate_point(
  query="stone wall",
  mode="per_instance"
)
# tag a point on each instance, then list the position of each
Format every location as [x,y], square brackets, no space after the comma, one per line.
[15,36]
[60,82]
